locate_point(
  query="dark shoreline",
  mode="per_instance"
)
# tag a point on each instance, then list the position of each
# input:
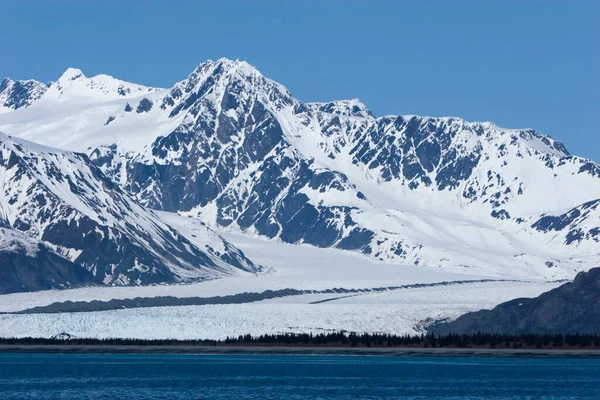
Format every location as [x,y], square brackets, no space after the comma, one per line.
[296,350]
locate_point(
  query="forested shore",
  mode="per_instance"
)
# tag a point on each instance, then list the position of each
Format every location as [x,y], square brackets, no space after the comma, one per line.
[343,340]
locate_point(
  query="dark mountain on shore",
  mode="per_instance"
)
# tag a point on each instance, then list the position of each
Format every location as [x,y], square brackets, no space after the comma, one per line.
[571,308]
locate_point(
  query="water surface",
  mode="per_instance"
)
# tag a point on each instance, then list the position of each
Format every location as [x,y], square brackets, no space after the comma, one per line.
[119,376]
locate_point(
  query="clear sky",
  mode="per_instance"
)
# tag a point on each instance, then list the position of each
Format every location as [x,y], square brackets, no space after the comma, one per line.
[520,64]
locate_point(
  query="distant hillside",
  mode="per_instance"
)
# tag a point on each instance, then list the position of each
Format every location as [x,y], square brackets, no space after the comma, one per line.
[571,308]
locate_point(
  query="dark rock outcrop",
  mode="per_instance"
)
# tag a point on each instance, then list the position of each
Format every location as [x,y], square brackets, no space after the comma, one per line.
[28,267]
[571,308]
[144,106]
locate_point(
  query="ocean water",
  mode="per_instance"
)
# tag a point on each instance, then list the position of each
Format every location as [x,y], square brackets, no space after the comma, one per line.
[118,376]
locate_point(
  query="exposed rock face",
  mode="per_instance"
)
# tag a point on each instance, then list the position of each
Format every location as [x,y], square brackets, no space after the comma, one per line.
[61,199]
[144,106]
[571,308]
[19,94]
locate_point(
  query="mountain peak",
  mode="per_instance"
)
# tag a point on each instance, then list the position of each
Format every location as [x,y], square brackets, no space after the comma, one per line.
[71,74]
[214,81]
[5,83]
[227,62]
[225,66]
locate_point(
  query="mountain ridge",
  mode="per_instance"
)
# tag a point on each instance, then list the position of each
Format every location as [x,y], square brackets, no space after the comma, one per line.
[236,149]
[60,199]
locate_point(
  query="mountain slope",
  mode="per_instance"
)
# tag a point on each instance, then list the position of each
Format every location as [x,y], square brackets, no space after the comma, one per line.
[60,198]
[19,94]
[235,149]
[27,264]
[571,308]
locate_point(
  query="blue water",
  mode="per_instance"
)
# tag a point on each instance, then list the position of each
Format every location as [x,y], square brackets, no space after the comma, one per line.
[117,376]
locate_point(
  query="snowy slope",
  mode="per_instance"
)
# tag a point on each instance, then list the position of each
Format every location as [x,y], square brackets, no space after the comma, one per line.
[71,110]
[300,267]
[237,150]
[61,199]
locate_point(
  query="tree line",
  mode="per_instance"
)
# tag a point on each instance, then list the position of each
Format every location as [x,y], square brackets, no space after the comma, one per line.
[344,339]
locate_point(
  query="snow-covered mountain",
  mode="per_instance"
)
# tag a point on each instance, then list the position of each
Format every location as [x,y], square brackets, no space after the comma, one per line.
[73,84]
[18,94]
[61,200]
[238,151]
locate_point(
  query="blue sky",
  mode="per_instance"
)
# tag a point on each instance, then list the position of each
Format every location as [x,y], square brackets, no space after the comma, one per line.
[518,63]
